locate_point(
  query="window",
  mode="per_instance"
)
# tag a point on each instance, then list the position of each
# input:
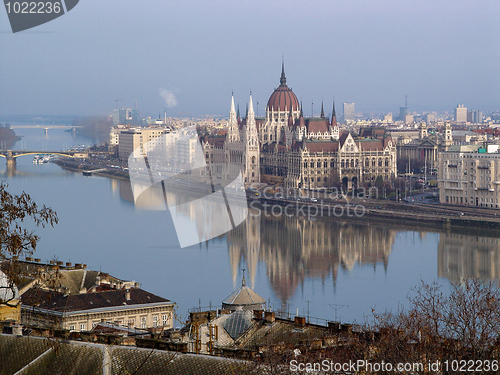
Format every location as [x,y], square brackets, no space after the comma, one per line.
[131,322]
[72,327]
[82,326]
[143,322]
[164,319]
[155,321]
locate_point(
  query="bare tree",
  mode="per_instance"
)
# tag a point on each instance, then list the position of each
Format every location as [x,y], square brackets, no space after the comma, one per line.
[15,240]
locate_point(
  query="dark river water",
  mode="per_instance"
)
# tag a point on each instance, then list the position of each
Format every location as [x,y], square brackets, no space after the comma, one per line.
[328,269]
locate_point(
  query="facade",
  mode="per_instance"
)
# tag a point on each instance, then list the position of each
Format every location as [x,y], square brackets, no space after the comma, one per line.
[132,307]
[422,148]
[131,140]
[72,297]
[470,176]
[461,114]
[10,308]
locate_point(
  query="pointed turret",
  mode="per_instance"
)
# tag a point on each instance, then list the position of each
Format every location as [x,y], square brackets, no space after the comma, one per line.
[250,107]
[334,116]
[233,129]
[322,115]
[282,78]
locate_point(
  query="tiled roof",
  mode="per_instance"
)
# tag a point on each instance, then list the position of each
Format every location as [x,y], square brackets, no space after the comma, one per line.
[372,145]
[315,125]
[58,302]
[43,356]
[322,146]
[243,296]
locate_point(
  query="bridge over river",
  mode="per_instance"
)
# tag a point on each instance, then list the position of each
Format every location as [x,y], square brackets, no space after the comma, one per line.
[11,155]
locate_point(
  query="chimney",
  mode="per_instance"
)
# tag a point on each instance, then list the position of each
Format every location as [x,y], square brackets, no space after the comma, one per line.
[127,294]
[59,263]
[83,290]
[68,264]
[28,259]
[334,326]
[300,321]
[38,260]
[98,280]
[257,314]
[269,317]
[78,265]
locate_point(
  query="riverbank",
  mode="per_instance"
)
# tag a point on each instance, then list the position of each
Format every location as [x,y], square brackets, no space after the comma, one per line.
[436,217]
[8,138]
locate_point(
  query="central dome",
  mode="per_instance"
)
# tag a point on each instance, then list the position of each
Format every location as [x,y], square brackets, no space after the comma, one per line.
[283,98]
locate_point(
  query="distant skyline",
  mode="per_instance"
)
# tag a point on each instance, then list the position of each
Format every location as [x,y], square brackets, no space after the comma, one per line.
[189,56]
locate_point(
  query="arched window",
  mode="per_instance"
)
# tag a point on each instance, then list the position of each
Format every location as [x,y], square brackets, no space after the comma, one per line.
[253,160]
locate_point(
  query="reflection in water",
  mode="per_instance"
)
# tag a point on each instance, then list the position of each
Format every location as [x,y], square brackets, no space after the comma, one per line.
[295,249]
[462,256]
[198,214]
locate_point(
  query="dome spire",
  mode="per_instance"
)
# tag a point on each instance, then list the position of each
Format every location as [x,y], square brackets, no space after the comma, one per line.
[283,78]
[243,282]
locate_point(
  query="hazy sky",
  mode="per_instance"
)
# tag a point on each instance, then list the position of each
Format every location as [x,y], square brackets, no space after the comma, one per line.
[372,52]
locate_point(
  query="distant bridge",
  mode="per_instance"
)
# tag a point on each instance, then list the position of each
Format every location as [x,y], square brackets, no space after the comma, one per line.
[11,155]
[44,126]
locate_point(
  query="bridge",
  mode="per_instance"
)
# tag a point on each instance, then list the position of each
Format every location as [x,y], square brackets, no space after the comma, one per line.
[11,155]
[47,127]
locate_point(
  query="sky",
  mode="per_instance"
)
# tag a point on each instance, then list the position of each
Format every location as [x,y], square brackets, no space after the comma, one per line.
[189,56]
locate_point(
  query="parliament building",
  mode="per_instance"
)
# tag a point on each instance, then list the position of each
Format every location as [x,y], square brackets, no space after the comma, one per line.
[285,148]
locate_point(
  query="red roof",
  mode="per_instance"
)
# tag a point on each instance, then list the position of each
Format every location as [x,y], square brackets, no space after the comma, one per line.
[315,125]
[50,300]
[283,98]
[331,146]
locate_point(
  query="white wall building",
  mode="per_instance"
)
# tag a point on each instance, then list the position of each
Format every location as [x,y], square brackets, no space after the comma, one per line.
[469,175]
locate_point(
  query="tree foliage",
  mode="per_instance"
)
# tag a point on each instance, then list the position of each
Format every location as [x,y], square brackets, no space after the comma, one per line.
[15,239]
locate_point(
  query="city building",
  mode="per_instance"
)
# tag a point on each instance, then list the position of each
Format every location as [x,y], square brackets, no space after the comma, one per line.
[125,116]
[131,140]
[469,175]
[349,112]
[403,112]
[460,114]
[420,149]
[58,296]
[285,148]
[10,309]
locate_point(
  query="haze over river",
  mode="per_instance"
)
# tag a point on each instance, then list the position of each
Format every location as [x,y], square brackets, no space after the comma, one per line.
[321,267]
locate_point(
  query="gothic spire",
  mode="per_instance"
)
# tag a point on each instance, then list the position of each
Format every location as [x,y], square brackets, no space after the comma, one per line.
[232,103]
[334,115]
[322,111]
[283,78]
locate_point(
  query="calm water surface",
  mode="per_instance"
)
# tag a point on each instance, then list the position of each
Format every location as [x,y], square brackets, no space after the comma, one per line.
[323,268]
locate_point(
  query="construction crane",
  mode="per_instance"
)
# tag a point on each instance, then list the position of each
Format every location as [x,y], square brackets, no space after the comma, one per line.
[118,100]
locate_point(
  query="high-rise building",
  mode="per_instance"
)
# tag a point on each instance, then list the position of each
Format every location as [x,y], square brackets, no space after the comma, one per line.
[460,113]
[403,112]
[349,112]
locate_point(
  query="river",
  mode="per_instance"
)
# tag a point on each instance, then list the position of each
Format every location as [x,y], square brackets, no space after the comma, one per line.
[328,269]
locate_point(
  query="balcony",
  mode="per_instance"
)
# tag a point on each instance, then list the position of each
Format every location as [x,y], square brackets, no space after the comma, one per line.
[483,167]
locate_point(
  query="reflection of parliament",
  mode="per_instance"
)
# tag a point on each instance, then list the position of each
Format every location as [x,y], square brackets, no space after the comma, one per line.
[288,149]
[295,249]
